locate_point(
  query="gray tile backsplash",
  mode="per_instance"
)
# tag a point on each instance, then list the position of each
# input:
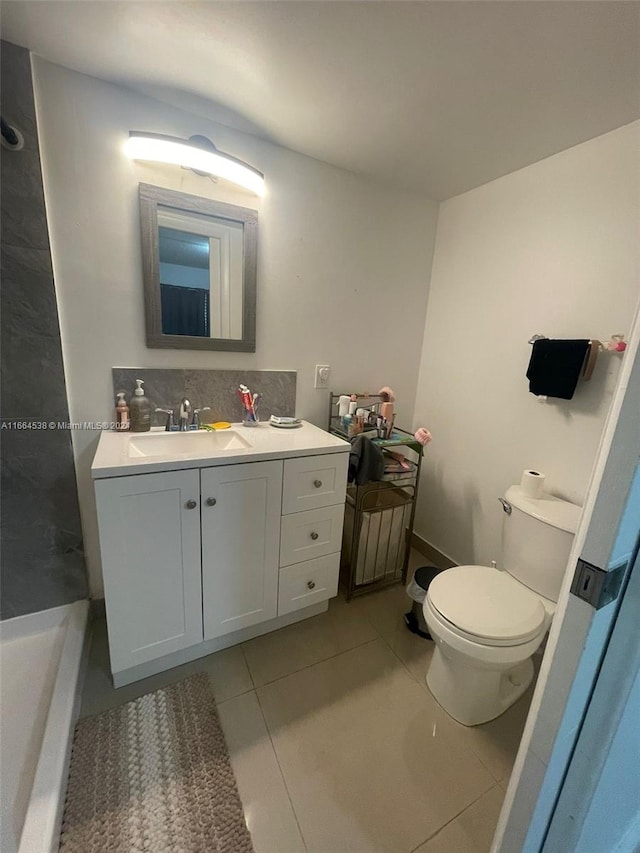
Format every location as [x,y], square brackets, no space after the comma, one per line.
[42,557]
[215,388]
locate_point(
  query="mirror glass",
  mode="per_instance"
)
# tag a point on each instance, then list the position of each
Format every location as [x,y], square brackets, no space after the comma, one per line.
[199,262]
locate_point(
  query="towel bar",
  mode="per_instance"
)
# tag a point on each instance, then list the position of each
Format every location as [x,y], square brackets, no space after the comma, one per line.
[616,344]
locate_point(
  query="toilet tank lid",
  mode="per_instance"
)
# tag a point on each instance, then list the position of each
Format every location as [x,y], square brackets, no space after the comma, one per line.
[549,509]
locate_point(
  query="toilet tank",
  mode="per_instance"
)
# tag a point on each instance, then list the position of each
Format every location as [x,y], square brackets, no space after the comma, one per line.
[536,540]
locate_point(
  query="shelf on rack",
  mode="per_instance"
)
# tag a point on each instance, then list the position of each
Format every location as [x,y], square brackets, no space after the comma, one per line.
[398,437]
[379,516]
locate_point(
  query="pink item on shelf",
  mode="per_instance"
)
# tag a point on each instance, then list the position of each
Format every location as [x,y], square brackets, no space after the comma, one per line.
[423,436]
[616,345]
[387,394]
[386,410]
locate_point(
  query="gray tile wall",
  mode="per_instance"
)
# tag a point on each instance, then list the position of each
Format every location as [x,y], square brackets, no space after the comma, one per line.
[214,388]
[42,558]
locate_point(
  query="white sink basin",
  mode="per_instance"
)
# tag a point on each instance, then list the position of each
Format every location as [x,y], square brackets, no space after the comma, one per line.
[172,445]
[127,453]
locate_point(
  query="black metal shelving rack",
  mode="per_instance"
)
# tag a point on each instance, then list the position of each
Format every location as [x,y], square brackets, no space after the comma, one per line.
[379,516]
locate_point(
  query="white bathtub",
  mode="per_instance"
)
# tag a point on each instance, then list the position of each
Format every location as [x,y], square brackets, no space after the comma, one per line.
[41,657]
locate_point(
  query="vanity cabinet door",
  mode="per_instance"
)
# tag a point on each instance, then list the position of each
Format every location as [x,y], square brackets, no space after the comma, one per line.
[150,544]
[240,545]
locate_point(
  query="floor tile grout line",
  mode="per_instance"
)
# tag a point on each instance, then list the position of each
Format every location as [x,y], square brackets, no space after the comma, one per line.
[455,817]
[362,616]
[470,746]
[485,764]
[315,663]
[246,663]
[229,698]
[475,751]
[282,774]
[397,656]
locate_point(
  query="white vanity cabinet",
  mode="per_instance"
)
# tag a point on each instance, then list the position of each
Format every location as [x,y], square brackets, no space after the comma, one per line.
[150,546]
[214,549]
[240,545]
[313,496]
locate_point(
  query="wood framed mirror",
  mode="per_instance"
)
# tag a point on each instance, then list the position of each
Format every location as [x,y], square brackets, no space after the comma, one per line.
[199,260]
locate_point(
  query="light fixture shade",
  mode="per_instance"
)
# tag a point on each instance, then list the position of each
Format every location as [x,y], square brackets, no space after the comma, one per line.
[197,153]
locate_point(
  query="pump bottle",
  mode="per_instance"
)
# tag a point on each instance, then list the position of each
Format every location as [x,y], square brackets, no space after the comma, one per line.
[122,413]
[140,410]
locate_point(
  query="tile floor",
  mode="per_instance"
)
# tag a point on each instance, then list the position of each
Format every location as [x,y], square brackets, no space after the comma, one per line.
[335,740]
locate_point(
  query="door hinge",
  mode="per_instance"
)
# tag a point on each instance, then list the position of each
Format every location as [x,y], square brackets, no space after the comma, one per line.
[595,586]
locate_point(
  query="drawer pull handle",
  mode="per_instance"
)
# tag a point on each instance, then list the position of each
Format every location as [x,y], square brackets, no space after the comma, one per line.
[211,501]
[191,504]
[314,536]
[311,584]
[317,483]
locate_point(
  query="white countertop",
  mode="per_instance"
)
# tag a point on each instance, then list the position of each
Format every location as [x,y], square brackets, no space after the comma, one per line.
[113,457]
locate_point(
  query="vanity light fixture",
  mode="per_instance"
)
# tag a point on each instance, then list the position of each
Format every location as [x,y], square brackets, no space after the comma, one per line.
[197,153]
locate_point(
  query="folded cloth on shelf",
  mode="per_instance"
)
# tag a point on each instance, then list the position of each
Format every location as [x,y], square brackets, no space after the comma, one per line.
[394,462]
[366,462]
[555,365]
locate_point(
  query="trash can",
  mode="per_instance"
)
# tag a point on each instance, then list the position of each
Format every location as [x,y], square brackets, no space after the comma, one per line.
[417,591]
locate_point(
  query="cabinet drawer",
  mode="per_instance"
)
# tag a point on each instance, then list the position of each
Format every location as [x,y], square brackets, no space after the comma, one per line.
[308,583]
[306,535]
[314,481]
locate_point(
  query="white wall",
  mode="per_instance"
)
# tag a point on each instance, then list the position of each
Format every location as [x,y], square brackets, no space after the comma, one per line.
[343,264]
[550,249]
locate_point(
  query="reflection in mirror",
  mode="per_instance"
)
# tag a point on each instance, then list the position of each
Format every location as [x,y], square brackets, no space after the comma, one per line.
[199,264]
[200,275]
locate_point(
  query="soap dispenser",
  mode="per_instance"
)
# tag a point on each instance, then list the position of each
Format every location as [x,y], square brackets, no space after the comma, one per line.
[122,413]
[140,410]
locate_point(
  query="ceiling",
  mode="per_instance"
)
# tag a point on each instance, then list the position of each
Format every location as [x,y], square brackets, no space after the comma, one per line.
[437,97]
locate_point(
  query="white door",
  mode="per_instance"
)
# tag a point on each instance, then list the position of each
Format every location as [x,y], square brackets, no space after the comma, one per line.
[240,545]
[150,544]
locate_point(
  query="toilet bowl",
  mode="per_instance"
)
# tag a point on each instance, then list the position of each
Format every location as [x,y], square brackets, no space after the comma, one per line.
[486,626]
[488,622]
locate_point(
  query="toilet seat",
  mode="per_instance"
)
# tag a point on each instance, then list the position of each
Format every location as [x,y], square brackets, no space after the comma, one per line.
[487,606]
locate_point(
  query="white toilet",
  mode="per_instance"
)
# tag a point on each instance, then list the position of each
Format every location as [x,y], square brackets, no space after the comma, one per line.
[488,622]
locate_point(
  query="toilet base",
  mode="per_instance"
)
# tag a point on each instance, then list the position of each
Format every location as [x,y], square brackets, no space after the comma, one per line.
[474,696]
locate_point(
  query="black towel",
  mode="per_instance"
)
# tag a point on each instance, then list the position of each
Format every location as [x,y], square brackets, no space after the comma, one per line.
[366,461]
[555,367]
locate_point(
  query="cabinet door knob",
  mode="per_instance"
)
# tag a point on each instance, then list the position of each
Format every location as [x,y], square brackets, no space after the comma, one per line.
[317,483]
[311,584]
[211,501]
[314,535]
[191,504]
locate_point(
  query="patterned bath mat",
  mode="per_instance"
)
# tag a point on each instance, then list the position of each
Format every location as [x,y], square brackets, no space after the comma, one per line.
[154,775]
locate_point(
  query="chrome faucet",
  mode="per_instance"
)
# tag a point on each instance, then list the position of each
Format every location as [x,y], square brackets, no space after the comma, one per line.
[170,425]
[195,419]
[185,409]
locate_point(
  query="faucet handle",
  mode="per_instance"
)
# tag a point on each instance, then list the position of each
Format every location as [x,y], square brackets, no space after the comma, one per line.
[195,420]
[170,418]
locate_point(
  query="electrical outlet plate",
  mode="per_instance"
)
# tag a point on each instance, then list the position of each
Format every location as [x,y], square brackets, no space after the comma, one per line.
[323,374]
